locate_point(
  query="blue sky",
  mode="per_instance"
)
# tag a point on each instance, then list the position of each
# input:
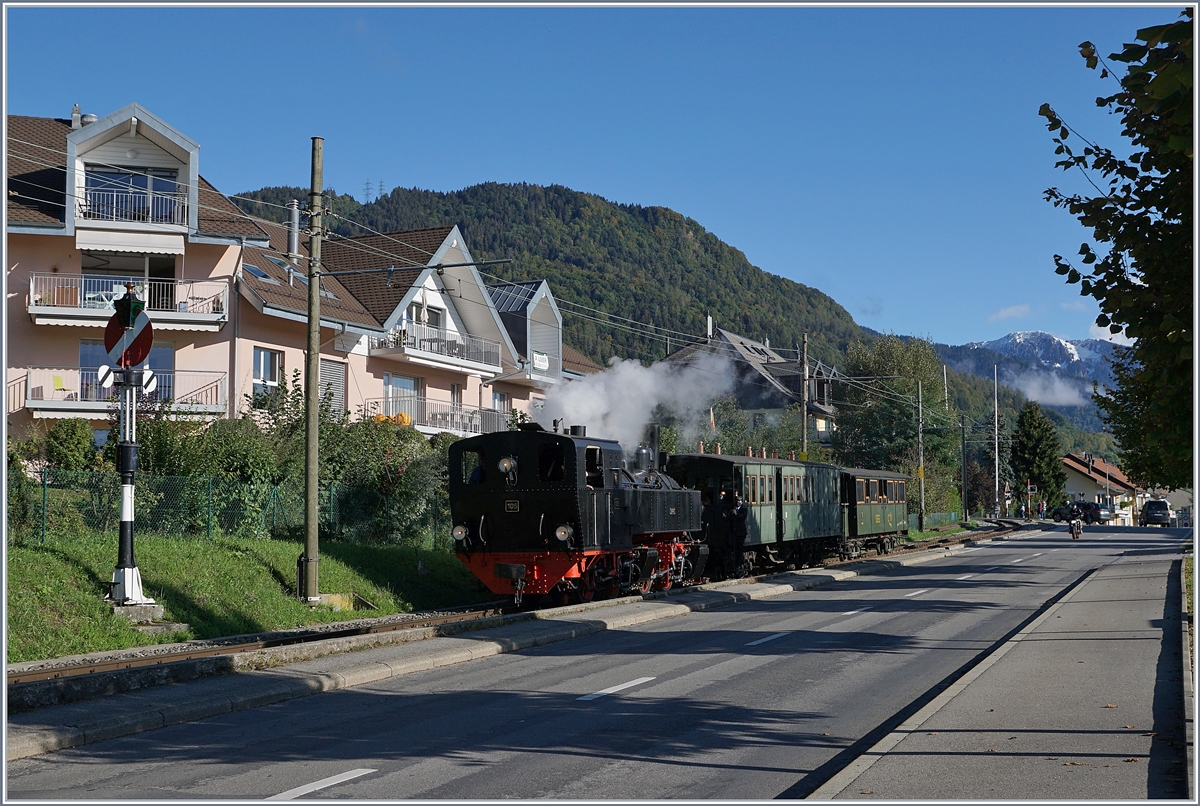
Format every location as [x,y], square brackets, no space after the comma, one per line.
[891,157]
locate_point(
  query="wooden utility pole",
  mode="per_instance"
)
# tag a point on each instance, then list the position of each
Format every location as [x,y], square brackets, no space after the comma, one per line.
[996,429]
[312,381]
[804,399]
[962,424]
[921,457]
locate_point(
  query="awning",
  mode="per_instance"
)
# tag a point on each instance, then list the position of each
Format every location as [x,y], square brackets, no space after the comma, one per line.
[106,240]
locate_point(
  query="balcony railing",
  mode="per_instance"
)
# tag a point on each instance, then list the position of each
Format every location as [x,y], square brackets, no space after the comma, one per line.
[79,388]
[98,293]
[441,342]
[439,414]
[132,205]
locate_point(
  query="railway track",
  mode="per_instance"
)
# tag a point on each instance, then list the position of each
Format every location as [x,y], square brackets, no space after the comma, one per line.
[66,669]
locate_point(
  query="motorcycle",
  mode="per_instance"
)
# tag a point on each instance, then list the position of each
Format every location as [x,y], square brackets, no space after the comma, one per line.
[1076,528]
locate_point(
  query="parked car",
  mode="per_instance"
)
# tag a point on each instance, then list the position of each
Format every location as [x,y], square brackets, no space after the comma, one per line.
[1158,511]
[1095,513]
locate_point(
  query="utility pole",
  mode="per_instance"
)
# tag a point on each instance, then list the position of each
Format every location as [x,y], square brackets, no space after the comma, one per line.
[945,388]
[996,429]
[804,399]
[962,424]
[312,380]
[921,457]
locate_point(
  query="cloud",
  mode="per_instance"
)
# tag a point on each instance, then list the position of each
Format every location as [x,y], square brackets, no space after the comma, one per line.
[1049,389]
[1074,305]
[1014,312]
[1101,333]
[619,402]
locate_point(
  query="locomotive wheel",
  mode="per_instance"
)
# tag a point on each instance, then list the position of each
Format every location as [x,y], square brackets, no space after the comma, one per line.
[585,591]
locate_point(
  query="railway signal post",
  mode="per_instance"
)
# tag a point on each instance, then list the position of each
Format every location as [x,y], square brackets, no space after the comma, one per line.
[128,338]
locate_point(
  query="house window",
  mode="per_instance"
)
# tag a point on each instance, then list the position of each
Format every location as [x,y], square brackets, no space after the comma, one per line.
[268,369]
[455,394]
[333,385]
[420,314]
[132,194]
[402,394]
[500,401]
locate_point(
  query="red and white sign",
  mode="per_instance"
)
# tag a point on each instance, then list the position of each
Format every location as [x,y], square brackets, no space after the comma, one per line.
[127,348]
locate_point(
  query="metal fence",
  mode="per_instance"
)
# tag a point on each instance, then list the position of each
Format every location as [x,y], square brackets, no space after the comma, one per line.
[68,503]
[933,519]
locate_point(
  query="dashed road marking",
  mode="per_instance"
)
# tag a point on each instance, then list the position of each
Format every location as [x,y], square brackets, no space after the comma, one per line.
[914,593]
[960,579]
[615,689]
[859,610]
[322,784]
[768,638]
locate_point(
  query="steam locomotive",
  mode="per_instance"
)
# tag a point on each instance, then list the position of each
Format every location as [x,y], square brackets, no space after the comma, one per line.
[559,516]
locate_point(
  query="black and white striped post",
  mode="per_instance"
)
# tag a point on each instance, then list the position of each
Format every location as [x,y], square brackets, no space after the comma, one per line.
[128,338]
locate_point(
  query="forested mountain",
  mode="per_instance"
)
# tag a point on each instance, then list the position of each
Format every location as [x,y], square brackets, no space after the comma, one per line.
[648,264]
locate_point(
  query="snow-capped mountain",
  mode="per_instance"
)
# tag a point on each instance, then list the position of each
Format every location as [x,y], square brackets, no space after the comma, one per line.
[1085,358]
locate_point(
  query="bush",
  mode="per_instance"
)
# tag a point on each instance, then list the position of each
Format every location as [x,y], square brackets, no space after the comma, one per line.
[70,445]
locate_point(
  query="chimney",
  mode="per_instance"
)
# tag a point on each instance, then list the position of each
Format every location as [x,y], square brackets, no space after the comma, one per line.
[792,455]
[710,326]
[774,453]
[718,448]
[701,448]
[75,124]
[749,451]
[294,230]
[767,343]
[88,118]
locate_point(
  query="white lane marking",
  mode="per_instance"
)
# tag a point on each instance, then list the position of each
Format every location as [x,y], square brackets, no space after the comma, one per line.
[968,551]
[322,784]
[615,689]
[914,593]
[768,638]
[1054,549]
[993,568]
[859,610]
[1023,559]
[960,579]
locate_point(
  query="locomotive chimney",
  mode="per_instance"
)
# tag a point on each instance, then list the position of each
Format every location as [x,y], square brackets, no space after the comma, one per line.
[651,442]
[579,430]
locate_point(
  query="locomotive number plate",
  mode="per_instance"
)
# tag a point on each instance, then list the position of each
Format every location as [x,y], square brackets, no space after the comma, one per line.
[512,506]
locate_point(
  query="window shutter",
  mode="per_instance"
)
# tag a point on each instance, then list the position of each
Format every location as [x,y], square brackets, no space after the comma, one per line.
[333,383]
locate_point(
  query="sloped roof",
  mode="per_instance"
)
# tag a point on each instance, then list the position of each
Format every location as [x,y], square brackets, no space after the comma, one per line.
[37,169]
[409,252]
[575,361]
[1097,469]
[292,295]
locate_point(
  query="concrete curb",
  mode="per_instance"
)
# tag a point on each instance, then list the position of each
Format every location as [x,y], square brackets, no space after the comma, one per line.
[531,629]
[1189,708]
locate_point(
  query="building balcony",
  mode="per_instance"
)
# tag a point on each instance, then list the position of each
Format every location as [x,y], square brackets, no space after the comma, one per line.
[134,206]
[438,347]
[76,392]
[86,300]
[433,416]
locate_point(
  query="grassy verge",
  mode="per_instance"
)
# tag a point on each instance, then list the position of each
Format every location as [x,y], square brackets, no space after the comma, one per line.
[914,535]
[218,587]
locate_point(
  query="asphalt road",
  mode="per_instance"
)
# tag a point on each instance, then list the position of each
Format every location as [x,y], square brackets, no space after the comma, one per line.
[759,700]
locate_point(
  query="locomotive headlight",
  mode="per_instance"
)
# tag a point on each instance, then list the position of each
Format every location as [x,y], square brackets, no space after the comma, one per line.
[508,464]
[459,532]
[564,532]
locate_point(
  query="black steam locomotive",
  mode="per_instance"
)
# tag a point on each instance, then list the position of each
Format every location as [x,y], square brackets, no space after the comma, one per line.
[559,515]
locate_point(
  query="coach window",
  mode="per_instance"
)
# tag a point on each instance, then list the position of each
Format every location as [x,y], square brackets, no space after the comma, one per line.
[472,467]
[902,491]
[770,489]
[858,491]
[874,491]
[551,461]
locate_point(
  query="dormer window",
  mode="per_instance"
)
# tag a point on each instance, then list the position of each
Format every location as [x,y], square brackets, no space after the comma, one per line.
[133,194]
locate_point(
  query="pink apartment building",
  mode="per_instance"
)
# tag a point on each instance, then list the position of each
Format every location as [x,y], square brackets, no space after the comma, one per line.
[96,203]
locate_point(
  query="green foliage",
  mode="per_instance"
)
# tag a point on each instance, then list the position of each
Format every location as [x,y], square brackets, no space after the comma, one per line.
[69,444]
[1037,456]
[24,502]
[1141,270]
[649,264]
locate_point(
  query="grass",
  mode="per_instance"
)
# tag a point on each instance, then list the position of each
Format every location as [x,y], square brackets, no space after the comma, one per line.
[914,535]
[218,587]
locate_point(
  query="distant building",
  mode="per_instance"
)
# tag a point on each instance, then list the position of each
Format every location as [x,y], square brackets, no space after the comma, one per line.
[1091,478]
[766,382]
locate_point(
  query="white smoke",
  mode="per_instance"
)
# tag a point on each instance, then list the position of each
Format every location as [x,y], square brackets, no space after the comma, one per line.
[619,402]
[1048,389]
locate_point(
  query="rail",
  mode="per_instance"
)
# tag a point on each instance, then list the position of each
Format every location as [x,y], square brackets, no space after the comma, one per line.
[439,414]
[99,204]
[16,393]
[82,384]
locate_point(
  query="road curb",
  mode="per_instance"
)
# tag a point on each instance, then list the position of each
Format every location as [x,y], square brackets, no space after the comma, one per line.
[24,742]
[1188,667]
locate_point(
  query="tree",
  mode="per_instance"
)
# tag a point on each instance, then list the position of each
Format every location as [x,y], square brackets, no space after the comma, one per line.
[1037,454]
[1141,270]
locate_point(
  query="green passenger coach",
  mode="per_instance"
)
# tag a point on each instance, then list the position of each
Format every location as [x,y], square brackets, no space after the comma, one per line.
[876,504]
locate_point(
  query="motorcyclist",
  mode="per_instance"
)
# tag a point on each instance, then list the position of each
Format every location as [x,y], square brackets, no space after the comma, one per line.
[1075,516]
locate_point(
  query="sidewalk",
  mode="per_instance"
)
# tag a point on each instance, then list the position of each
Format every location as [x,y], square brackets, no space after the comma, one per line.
[1087,702]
